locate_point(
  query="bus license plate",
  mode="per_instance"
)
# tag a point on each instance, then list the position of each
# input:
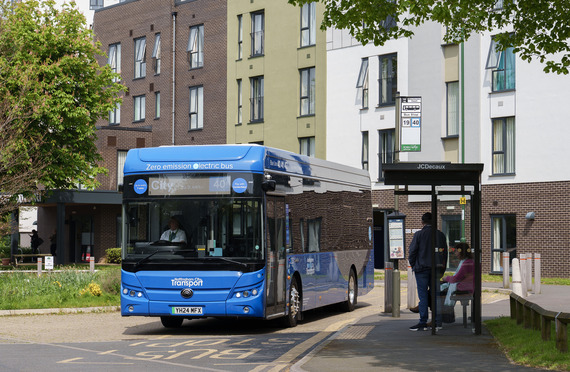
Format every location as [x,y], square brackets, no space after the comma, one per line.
[186,310]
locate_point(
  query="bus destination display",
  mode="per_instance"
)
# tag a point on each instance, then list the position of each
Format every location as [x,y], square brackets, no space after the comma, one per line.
[172,185]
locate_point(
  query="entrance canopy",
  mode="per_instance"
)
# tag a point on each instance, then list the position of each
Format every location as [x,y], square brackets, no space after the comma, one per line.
[437,176]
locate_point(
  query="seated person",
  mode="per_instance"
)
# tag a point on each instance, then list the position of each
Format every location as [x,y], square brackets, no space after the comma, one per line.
[174,234]
[463,279]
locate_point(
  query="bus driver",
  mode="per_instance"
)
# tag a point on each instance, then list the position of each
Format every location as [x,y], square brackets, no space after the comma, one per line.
[174,234]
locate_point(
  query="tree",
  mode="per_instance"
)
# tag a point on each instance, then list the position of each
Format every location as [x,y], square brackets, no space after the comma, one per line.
[535,29]
[52,92]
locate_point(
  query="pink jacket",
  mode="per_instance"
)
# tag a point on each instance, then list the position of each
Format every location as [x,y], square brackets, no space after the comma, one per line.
[464,277]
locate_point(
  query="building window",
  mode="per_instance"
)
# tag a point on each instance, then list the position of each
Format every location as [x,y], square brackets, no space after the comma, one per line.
[452,109]
[451,228]
[388,82]
[308,24]
[362,82]
[140,57]
[365,150]
[257,33]
[502,64]
[95,4]
[239,101]
[196,107]
[307,146]
[504,145]
[157,105]
[307,91]
[140,108]
[240,37]
[386,150]
[121,157]
[115,59]
[503,239]
[196,47]
[156,55]
[115,115]
[256,98]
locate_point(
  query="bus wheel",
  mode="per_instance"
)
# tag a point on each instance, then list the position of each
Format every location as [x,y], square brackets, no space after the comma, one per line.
[171,321]
[294,305]
[352,292]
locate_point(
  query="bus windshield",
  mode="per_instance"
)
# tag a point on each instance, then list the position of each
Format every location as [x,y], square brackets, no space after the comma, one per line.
[175,231]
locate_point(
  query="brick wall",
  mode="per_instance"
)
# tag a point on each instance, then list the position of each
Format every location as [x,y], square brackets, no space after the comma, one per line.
[548,234]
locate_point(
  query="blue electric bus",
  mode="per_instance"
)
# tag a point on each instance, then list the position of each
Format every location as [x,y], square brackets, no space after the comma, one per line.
[263,233]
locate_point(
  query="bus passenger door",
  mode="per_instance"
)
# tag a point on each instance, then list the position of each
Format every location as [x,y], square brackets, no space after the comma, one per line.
[276,255]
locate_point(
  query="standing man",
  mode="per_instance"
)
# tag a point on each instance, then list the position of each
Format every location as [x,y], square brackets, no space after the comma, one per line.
[420,258]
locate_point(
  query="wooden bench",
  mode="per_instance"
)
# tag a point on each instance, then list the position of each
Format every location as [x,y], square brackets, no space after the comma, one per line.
[19,258]
[465,298]
[533,316]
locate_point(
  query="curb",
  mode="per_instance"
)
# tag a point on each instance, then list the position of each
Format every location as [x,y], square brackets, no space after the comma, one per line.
[73,310]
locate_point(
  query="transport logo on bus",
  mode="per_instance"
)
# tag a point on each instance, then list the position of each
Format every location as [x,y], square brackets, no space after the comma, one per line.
[187,282]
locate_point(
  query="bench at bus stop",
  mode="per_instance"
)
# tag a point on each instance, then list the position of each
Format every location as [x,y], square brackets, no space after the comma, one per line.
[20,258]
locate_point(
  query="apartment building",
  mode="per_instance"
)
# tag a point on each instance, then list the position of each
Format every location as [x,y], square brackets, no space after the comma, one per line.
[171,56]
[276,76]
[512,124]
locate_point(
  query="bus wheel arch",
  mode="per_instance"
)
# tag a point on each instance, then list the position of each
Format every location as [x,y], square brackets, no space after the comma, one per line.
[352,291]
[294,301]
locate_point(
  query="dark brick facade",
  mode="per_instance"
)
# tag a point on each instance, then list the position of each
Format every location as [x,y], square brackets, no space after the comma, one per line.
[547,234]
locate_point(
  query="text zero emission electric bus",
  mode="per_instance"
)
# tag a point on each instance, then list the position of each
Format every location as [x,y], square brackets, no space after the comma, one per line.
[268,233]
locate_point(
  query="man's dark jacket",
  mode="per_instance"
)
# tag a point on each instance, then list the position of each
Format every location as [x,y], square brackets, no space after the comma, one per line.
[420,252]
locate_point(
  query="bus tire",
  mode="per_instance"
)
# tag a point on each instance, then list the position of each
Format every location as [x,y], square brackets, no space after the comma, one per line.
[352,292]
[294,305]
[171,321]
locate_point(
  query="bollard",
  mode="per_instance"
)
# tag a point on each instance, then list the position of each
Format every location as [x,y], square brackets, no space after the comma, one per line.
[523,267]
[517,288]
[92,264]
[529,272]
[537,273]
[39,266]
[506,269]
[411,292]
[388,271]
[396,294]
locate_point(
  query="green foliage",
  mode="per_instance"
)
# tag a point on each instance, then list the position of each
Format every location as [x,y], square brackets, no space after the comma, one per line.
[113,255]
[69,288]
[5,246]
[52,92]
[535,29]
[526,347]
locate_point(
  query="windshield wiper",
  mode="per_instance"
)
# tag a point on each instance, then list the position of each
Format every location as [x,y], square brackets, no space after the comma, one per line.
[227,260]
[145,259]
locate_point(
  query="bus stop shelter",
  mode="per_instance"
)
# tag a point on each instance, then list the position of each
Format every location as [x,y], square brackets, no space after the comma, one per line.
[438,179]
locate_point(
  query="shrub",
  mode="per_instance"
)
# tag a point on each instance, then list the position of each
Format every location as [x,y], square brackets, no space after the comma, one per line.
[113,255]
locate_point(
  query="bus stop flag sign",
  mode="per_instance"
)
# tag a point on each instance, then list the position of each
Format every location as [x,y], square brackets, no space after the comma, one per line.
[411,123]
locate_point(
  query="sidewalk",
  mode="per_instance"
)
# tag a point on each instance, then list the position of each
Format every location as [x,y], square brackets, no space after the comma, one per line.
[383,343]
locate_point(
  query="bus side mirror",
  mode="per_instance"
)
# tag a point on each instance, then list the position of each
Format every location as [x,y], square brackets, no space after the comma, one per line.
[268,185]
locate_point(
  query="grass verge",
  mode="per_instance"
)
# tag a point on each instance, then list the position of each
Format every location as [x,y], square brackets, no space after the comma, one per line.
[526,347]
[68,288]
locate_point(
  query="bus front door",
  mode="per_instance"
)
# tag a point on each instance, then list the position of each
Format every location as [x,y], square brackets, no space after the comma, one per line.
[276,256]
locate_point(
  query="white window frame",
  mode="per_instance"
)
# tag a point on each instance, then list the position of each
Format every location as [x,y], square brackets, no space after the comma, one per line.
[240,37]
[308,24]
[239,101]
[140,57]
[115,115]
[156,54]
[256,100]
[257,33]
[307,146]
[114,59]
[139,108]
[307,93]
[121,157]
[195,47]
[452,109]
[504,146]
[157,105]
[196,108]
[362,82]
